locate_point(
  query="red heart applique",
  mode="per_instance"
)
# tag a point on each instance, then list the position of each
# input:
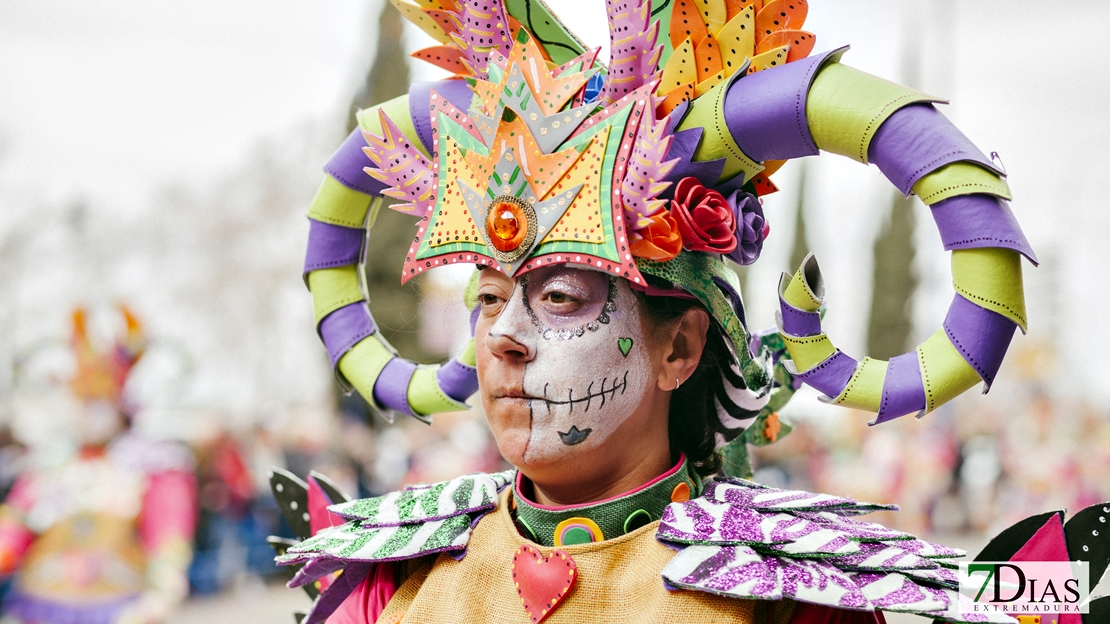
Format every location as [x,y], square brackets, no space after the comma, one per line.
[542,581]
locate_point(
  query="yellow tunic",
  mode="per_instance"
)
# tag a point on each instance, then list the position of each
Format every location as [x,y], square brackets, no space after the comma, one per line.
[618,581]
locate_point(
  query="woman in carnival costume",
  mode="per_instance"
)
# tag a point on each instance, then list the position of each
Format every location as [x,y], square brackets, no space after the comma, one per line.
[609,349]
[103,535]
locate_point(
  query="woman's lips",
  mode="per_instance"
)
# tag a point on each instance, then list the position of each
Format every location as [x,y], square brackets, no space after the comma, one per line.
[515,397]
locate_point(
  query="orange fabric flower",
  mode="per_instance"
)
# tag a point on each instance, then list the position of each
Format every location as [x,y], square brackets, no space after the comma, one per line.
[661,240]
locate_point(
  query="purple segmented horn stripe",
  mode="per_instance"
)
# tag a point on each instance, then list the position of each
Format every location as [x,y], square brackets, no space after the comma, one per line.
[391,388]
[347,166]
[474,319]
[331,246]
[980,335]
[457,92]
[903,391]
[457,380]
[799,322]
[973,221]
[832,375]
[917,140]
[766,111]
[343,328]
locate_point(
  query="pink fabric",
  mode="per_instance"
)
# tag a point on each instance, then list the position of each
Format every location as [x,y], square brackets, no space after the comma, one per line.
[520,492]
[365,604]
[318,515]
[169,509]
[22,494]
[1048,544]
[15,539]
[807,613]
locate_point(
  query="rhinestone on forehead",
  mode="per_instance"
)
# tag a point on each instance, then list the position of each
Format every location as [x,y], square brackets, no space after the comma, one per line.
[510,224]
[549,333]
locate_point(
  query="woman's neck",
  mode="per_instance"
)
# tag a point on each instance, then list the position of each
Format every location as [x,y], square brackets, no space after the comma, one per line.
[587,487]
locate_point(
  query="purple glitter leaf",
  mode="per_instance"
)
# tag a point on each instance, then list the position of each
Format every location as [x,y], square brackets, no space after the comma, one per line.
[742,492]
[895,592]
[883,557]
[856,530]
[634,55]
[941,576]
[701,521]
[929,550]
[735,571]
[821,583]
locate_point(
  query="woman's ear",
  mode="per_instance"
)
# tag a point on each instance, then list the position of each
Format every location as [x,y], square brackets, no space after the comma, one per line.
[683,353]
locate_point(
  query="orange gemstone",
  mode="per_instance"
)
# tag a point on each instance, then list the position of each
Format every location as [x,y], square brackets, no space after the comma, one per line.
[507,225]
[504,225]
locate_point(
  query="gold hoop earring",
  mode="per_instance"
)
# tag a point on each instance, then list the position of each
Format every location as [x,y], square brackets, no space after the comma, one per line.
[677,383]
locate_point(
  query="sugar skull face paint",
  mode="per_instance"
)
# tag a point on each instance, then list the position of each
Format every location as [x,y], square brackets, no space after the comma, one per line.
[562,360]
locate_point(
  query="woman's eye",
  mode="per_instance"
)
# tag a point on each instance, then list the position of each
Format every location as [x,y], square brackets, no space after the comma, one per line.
[487,299]
[561,302]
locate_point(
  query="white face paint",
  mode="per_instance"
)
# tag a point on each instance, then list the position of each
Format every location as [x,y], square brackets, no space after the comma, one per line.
[589,368]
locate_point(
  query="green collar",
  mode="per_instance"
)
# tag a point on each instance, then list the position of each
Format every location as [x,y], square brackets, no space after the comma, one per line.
[594,522]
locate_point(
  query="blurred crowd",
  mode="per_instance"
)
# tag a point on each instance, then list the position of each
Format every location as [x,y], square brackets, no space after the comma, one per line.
[972,468]
[975,466]
[365,456]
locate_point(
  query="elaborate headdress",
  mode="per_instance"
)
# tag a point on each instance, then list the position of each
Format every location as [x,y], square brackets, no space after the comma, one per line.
[650,169]
[102,374]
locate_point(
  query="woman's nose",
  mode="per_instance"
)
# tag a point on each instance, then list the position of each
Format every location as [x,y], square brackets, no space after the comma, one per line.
[512,336]
[508,348]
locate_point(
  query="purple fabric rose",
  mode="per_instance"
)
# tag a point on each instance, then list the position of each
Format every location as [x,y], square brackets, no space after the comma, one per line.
[751,227]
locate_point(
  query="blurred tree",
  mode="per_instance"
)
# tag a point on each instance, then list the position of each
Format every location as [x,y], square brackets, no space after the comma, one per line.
[395,306]
[893,283]
[800,247]
[388,74]
[894,280]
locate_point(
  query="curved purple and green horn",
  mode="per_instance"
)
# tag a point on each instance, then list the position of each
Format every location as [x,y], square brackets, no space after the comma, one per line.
[818,104]
[341,217]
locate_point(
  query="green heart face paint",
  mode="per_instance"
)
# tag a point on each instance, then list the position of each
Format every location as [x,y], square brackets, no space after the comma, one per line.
[625,345]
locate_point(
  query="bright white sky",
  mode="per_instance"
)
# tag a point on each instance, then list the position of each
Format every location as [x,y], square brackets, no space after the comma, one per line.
[111,99]
[115,99]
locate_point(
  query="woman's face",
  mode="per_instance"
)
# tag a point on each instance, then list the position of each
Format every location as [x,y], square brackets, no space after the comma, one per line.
[563,363]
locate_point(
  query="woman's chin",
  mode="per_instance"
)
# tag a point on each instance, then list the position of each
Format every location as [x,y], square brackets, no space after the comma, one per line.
[534,456]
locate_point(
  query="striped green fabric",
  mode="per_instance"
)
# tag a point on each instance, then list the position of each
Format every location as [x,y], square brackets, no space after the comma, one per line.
[410,523]
[461,495]
[354,541]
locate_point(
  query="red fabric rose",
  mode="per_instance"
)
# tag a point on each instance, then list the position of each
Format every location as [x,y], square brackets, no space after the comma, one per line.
[704,216]
[661,240]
